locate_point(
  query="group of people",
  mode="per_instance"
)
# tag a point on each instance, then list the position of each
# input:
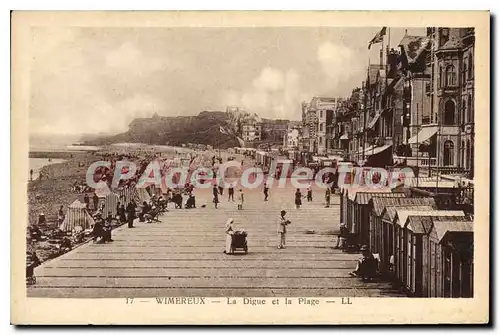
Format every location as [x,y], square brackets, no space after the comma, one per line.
[219,190]
[309,196]
[282,225]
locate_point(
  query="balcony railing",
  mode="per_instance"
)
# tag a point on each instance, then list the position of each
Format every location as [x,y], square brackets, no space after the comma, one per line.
[444,170]
[418,161]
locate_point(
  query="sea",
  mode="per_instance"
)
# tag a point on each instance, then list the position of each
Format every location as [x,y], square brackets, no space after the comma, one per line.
[38,163]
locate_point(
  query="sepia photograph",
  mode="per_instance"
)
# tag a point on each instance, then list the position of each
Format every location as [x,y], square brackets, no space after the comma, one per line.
[251,162]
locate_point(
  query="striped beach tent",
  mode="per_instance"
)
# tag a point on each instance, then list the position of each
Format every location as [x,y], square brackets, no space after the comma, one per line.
[126,194]
[110,201]
[142,195]
[77,215]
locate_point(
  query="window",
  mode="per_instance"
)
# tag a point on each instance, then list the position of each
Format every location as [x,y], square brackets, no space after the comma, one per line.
[320,140]
[441,77]
[320,113]
[470,158]
[470,110]
[451,76]
[470,74]
[463,154]
[449,113]
[464,71]
[449,153]
[464,111]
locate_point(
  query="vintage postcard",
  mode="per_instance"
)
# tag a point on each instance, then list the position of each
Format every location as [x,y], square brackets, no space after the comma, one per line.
[250,167]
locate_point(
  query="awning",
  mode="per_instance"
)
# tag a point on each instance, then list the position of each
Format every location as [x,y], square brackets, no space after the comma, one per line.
[423,135]
[373,121]
[344,137]
[370,148]
[377,150]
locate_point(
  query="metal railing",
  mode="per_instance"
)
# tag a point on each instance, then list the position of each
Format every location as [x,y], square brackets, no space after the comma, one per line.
[420,161]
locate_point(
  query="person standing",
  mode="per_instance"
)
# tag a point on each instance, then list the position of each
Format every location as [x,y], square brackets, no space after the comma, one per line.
[240,199]
[309,194]
[221,189]
[230,192]
[327,197]
[121,214]
[131,214]
[266,191]
[95,200]
[31,174]
[342,236]
[86,199]
[216,199]
[283,222]
[60,215]
[229,235]
[298,199]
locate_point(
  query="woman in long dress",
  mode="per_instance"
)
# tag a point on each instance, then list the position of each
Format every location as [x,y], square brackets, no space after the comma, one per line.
[298,199]
[229,232]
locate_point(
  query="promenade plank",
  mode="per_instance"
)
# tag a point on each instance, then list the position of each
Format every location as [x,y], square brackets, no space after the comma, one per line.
[182,255]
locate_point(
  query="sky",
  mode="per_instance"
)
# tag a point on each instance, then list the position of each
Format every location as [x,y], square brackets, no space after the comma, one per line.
[97,80]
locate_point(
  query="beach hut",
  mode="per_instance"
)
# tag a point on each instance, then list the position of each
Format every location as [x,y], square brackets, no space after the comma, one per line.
[394,248]
[109,200]
[378,235]
[361,210]
[381,231]
[410,244]
[448,258]
[77,215]
[141,195]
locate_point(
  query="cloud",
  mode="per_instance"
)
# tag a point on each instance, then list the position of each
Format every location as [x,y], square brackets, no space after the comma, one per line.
[270,80]
[273,94]
[130,59]
[339,64]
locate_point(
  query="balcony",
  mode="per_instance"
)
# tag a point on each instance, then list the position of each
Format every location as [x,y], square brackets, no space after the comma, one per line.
[418,161]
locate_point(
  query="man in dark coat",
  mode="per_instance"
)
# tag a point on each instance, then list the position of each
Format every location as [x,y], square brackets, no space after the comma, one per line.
[131,214]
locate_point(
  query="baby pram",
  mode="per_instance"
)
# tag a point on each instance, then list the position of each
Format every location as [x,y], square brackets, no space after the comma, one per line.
[239,241]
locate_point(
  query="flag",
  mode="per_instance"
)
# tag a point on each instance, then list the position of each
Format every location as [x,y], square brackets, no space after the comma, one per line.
[223,130]
[378,38]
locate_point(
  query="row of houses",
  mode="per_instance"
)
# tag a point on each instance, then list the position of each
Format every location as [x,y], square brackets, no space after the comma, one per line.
[415,108]
[422,244]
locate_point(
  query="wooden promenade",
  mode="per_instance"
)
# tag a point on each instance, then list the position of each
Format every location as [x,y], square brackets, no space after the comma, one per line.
[182,256]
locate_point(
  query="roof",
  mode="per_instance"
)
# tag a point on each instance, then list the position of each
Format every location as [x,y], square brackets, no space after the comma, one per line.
[429,182]
[77,204]
[389,212]
[402,215]
[363,198]
[372,72]
[433,219]
[413,46]
[398,199]
[441,228]
[452,43]
[353,191]
[419,224]
[326,100]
